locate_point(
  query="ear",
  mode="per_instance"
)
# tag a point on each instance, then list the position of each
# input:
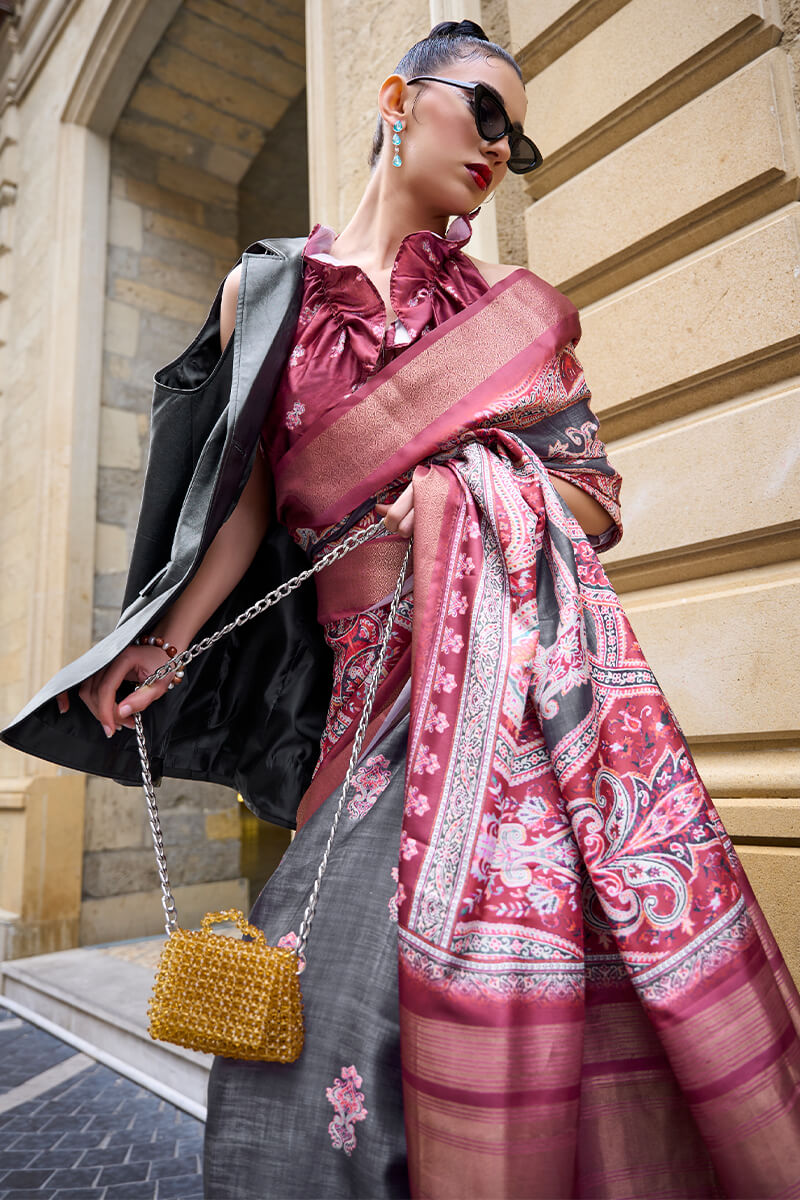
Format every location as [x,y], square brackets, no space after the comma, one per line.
[393,99]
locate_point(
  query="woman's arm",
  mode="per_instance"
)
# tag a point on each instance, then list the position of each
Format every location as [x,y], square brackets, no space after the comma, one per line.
[590,515]
[222,566]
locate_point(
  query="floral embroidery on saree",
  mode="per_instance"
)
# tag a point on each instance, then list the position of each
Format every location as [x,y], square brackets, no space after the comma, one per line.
[348,1103]
[368,782]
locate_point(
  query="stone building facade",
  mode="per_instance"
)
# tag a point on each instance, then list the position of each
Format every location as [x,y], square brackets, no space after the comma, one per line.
[144,143]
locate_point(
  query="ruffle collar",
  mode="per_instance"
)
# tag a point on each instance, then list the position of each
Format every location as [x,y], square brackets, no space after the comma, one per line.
[424,262]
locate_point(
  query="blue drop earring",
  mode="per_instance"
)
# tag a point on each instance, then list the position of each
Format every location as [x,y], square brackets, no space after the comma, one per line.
[397,160]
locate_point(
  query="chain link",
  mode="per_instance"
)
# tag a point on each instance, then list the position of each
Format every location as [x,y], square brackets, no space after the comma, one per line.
[179,661]
[186,656]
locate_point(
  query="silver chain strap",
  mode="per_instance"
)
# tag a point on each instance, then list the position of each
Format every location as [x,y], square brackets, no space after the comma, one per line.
[366,713]
[186,656]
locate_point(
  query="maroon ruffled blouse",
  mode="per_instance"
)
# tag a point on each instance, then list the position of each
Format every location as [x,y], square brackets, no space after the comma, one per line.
[341,336]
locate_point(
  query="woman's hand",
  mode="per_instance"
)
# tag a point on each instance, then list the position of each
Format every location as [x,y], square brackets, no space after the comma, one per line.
[399,516]
[99,691]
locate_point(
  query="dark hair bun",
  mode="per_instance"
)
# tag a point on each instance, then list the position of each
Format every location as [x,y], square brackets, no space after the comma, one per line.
[458,29]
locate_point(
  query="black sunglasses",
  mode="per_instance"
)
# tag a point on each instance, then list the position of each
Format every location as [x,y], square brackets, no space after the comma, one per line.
[492,123]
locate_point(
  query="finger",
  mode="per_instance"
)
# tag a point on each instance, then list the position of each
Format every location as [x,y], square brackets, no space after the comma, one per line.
[62,700]
[88,692]
[108,686]
[406,527]
[399,510]
[139,700]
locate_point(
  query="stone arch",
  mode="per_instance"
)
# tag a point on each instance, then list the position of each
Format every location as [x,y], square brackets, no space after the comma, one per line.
[179,112]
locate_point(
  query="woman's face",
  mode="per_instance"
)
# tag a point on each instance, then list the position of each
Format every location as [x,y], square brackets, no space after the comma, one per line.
[440,141]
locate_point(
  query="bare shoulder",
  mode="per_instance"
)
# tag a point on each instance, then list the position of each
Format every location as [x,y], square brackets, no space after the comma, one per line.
[493,272]
[230,298]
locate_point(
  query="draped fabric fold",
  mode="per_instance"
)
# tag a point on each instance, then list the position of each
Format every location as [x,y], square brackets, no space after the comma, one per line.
[591,1001]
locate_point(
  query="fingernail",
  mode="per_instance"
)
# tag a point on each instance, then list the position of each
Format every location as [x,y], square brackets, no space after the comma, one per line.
[125,710]
[109,732]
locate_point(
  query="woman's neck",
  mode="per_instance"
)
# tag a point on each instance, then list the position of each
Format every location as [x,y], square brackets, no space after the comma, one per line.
[385,215]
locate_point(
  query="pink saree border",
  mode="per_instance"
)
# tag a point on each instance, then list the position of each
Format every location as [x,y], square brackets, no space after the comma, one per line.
[309,492]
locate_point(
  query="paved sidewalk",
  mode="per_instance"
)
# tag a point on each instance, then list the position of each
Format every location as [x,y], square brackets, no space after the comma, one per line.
[71,1128]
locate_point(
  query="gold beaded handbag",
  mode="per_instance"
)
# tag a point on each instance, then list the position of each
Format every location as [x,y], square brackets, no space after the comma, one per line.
[237,996]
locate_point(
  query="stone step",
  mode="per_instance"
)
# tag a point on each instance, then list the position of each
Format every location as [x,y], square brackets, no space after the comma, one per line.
[96,998]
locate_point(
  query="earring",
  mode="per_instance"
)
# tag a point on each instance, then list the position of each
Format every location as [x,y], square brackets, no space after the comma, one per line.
[397,160]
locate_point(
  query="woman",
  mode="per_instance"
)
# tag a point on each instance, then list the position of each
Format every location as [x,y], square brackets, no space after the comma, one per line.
[590,1002]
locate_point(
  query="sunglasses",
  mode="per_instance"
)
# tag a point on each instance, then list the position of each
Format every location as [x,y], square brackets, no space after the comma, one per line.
[492,123]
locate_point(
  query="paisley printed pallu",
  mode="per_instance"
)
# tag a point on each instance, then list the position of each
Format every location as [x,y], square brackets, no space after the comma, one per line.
[591,1001]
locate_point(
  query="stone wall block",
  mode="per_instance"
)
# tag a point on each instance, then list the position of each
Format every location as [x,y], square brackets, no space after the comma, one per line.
[164,199]
[139,914]
[119,439]
[183,255]
[121,260]
[247,101]
[200,183]
[279,29]
[728,320]
[109,589]
[225,824]
[114,872]
[773,871]
[180,231]
[131,162]
[110,548]
[718,681]
[158,138]
[240,57]
[671,53]
[675,187]
[125,224]
[183,827]
[120,328]
[197,863]
[755,817]
[116,817]
[227,163]
[165,103]
[664,476]
[542,32]
[119,492]
[155,300]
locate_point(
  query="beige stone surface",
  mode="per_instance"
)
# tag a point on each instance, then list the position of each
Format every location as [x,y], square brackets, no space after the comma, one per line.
[181,231]
[178,68]
[710,644]
[226,824]
[119,439]
[125,224]
[110,548]
[156,99]
[727,318]
[774,872]
[774,817]
[277,27]
[749,770]
[242,57]
[139,914]
[156,300]
[121,329]
[541,32]
[671,52]
[722,160]
[115,817]
[665,495]
[41,837]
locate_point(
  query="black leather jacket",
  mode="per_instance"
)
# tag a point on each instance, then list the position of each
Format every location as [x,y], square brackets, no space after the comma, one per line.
[250,711]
